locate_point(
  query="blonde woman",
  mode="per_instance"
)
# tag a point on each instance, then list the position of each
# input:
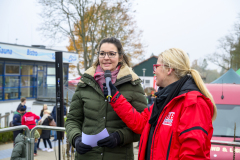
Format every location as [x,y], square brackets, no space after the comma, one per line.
[46,119]
[179,123]
[45,107]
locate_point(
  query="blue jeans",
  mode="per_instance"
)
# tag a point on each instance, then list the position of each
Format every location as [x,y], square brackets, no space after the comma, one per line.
[35,148]
[55,134]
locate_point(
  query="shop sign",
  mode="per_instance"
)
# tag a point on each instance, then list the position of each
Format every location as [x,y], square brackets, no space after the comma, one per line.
[19,52]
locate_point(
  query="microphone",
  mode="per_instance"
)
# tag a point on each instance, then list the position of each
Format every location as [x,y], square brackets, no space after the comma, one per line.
[108,77]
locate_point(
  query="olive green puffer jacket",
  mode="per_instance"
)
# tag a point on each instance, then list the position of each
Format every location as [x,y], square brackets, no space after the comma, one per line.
[90,113]
[19,150]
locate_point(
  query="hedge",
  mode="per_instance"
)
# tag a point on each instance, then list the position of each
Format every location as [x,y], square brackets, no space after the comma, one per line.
[6,137]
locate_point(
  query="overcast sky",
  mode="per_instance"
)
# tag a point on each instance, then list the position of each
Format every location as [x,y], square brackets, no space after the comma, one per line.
[192,25]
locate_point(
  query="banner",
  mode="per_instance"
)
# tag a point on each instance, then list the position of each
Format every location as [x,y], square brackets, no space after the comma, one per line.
[34,54]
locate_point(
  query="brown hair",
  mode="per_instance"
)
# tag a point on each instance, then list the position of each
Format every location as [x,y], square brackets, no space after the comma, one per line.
[118,44]
[23,99]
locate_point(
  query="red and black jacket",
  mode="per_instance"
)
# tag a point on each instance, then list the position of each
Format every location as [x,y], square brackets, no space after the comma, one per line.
[183,131]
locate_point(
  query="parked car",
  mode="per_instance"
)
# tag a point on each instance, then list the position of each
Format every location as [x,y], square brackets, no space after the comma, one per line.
[227,99]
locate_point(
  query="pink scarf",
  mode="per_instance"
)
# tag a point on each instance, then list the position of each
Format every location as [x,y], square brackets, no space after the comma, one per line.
[99,76]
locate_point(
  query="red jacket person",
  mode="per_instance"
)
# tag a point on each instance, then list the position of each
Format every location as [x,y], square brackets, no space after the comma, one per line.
[29,119]
[178,126]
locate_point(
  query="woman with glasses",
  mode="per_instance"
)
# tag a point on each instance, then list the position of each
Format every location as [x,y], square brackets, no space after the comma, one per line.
[179,123]
[90,112]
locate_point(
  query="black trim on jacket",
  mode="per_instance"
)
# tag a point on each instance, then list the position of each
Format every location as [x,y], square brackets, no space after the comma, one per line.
[194,128]
[169,146]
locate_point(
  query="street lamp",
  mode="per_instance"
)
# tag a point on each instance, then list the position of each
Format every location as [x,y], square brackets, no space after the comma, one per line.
[144,69]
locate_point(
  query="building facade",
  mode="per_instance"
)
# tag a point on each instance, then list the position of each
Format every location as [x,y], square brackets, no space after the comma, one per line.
[147,67]
[29,71]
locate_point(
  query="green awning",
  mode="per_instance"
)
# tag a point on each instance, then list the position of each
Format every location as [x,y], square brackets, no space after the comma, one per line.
[238,71]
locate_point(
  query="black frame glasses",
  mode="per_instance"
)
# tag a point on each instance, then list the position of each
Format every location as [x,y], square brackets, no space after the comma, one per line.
[110,54]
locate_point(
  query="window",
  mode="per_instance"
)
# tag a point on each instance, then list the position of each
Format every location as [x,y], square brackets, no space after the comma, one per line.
[1,81]
[51,81]
[11,81]
[40,67]
[1,69]
[51,70]
[27,92]
[27,70]
[28,81]
[65,71]
[12,69]
[227,116]
[1,87]
[11,93]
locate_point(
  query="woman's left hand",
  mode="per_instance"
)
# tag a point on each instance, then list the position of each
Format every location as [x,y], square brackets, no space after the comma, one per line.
[114,90]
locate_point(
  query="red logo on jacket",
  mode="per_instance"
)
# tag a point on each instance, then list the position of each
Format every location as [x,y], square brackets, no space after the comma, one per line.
[169,119]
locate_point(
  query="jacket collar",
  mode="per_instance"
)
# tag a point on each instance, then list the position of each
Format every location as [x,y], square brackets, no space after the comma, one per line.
[125,74]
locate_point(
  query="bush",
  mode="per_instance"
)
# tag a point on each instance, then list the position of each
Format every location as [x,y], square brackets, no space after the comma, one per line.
[6,137]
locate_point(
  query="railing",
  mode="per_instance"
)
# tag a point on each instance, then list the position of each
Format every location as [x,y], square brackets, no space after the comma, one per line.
[6,120]
[27,131]
[225,143]
[45,128]
[30,138]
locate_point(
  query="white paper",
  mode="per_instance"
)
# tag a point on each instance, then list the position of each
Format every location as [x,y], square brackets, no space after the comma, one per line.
[93,139]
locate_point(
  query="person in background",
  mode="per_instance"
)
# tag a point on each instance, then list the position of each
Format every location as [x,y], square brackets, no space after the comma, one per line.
[19,150]
[54,115]
[22,104]
[179,123]
[45,120]
[90,112]
[29,119]
[45,107]
[151,98]
[36,137]
[17,120]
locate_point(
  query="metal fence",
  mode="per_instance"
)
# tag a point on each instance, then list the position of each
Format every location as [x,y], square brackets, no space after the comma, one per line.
[30,138]
[27,131]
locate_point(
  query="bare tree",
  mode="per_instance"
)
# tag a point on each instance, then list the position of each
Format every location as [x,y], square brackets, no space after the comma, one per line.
[86,22]
[228,52]
[207,75]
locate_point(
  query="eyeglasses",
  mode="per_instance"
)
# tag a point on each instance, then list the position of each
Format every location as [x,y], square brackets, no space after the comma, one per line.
[157,65]
[110,54]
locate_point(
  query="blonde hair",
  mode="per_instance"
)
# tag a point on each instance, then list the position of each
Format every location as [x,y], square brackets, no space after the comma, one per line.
[46,111]
[179,61]
[44,105]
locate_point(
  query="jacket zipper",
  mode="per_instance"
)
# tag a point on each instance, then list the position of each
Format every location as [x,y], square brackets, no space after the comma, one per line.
[169,146]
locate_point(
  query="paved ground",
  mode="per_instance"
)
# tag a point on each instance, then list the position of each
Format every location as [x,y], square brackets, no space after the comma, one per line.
[6,150]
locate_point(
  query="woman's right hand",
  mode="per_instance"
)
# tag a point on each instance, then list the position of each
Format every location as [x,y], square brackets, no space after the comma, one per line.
[81,148]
